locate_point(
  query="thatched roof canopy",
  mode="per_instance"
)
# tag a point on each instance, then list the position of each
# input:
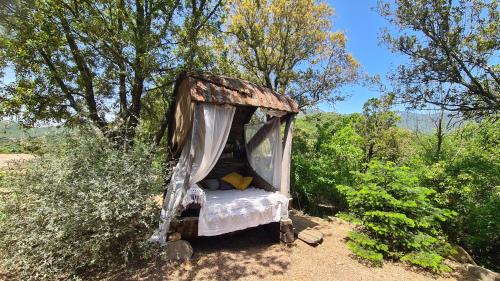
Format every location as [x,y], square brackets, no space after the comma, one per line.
[206,87]
[192,87]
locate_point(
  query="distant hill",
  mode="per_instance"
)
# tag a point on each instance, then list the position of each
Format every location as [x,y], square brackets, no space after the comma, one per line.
[12,130]
[16,139]
[422,122]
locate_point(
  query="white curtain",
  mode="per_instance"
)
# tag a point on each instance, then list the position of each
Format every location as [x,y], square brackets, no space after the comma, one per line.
[287,152]
[209,140]
[211,126]
[264,150]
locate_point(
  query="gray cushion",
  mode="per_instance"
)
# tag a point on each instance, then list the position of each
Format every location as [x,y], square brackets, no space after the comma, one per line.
[225,186]
[212,184]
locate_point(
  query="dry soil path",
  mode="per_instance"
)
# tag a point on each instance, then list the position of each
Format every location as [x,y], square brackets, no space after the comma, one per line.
[13,161]
[252,255]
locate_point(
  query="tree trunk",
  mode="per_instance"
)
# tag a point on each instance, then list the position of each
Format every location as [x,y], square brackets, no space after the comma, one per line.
[141,32]
[86,76]
[439,134]
[370,152]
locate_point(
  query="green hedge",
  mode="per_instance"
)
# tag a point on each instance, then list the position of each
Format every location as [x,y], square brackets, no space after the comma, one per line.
[85,205]
[397,218]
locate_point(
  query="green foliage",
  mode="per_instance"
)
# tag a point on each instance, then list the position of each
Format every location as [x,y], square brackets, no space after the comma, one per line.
[451,49]
[397,216]
[330,152]
[108,63]
[428,260]
[84,205]
[326,150]
[365,242]
[381,138]
[467,180]
[372,256]
[289,46]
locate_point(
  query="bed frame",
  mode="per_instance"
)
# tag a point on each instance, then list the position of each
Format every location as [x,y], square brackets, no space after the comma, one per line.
[187,225]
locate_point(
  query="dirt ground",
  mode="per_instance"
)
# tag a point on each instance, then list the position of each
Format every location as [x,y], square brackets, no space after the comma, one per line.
[14,161]
[254,255]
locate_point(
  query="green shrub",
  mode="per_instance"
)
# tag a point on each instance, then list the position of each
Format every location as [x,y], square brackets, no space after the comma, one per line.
[397,217]
[84,206]
[366,247]
[467,181]
[425,259]
[326,150]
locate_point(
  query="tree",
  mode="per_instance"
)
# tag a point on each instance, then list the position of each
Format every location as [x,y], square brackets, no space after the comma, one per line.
[452,48]
[396,217]
[105,62]
[327,150]
[288,46]
[378,120]
[467,180]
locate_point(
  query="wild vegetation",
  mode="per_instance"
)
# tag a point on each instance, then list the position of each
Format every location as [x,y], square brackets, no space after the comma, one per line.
[452,49]
[106,69]
[408,200]
[16,139]
[83,206]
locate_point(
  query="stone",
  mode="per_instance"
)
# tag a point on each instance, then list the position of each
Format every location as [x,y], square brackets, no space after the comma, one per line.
[287,237]
[310,236]
[481,273]
[331,218]
[462,256]
[286,222]
[179,250]
[286,225]
[174,236]
[286,231]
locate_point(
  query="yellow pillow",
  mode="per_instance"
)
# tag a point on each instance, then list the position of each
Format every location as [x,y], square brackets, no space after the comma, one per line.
[237,180]
[245,183]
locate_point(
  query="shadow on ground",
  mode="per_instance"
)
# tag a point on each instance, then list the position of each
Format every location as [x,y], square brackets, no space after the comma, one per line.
[254,252]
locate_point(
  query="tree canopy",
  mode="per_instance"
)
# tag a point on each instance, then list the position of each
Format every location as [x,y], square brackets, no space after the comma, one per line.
[289,46]
[113,63]
[453,49]
[101,62]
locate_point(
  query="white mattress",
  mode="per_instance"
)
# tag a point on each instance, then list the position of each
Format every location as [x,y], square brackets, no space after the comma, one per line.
[230,210]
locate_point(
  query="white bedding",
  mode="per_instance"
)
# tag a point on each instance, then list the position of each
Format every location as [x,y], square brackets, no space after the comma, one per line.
[230,210]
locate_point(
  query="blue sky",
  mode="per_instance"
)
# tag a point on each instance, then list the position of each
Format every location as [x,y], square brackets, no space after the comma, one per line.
[362,24]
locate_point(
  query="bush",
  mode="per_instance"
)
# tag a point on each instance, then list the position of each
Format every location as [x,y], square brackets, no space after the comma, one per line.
[328,147]
[397,218]
[84,206]
[467,181]
[325,152]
